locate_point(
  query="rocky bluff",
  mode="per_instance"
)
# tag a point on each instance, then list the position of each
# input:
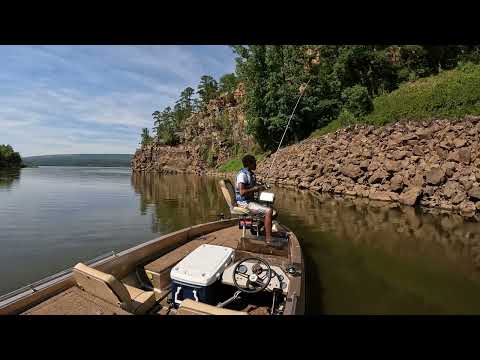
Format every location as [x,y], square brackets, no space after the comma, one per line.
[207,139]
[435,164]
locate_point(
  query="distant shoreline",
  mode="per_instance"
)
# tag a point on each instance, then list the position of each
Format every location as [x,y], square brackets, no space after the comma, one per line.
[80,160]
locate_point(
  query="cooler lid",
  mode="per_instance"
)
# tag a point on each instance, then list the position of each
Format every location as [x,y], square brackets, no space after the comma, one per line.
[203,266]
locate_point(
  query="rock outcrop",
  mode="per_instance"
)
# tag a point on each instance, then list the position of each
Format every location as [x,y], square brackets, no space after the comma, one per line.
[435,164]
[208,139]
[169,159]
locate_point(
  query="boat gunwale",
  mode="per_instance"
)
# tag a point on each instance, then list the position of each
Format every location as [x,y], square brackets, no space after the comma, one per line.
[295,304]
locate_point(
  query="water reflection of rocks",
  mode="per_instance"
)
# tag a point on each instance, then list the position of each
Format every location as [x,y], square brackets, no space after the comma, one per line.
[191,199]
[397,229]
[402,230]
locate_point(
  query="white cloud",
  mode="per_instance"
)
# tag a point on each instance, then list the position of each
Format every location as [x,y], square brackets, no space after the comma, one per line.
[91,99]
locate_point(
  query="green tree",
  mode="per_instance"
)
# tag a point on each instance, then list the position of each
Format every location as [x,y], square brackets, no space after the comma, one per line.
[165,124]
[343,78]
[207,89]
[274,76]
[146,138]
[357,101]
[228,83]
[186,100]
[9,158]
[183,107]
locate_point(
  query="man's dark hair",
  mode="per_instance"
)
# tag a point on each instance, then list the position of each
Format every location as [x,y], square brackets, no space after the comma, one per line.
[248,159]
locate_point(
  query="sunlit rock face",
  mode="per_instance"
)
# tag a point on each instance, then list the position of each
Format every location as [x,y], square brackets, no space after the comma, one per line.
[208,138]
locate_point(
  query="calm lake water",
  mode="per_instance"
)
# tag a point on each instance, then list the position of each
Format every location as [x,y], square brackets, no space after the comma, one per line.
[360,258]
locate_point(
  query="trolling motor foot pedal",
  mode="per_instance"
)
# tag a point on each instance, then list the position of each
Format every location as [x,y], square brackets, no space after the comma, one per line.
[252,244]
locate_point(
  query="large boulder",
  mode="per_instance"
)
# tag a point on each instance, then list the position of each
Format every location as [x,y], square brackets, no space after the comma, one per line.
[435,176]
[450,189]
[396,183]
[459,142]
[462,155]
[399,155]
[352,171]
[449,168]
[467,182]
[467,207]
[459,197]
[364,164]
[465,155]
[374,165]
[474,192]
[361,190]
[392,166]
[378,176]
[418,150]
[410,195]
[380,195]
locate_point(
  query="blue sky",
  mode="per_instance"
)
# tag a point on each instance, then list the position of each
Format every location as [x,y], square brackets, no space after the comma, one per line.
[94,99]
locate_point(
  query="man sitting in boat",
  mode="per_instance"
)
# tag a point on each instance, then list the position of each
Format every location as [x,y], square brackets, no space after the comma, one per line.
[245,187]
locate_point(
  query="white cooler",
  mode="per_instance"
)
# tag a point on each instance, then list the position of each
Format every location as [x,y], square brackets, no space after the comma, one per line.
[196,276]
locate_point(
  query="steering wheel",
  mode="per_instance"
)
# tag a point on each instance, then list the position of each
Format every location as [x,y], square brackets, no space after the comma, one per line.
[255,282]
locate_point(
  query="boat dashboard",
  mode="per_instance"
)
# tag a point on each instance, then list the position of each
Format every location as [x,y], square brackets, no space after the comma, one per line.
[251,274]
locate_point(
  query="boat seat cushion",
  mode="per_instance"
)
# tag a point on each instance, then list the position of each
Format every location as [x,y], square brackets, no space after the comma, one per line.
[102,285]
[110,289]
[191,307]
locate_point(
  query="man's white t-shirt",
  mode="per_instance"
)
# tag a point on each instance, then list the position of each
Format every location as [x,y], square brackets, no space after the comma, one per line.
[243,178]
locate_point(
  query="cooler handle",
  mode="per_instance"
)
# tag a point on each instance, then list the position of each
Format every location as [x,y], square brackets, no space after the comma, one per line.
[176,295]
[195,295]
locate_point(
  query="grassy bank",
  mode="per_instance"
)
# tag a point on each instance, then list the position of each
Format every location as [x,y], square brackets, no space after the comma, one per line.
[450,94]
[235,164]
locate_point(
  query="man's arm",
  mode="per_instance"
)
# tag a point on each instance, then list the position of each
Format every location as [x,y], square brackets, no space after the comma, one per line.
[244,191]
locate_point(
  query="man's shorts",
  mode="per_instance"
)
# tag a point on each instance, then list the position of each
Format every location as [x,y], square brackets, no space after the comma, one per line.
[256,208]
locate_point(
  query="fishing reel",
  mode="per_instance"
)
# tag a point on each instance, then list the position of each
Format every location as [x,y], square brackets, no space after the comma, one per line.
[265,184]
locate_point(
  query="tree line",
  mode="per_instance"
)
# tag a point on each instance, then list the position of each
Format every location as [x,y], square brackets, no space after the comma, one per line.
[344,79]
[170,120]
[9,158]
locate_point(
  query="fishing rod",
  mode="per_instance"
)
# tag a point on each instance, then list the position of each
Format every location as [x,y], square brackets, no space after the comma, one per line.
[286,128]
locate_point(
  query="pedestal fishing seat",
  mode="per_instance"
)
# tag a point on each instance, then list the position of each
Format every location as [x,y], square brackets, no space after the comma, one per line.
[113,291]
[247,220]
[229,195]
[228,192]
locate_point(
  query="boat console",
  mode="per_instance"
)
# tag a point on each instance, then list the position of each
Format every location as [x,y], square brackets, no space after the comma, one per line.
[253,273]
[220,276]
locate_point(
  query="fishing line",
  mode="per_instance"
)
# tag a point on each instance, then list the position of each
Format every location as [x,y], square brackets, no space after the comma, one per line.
[286,128]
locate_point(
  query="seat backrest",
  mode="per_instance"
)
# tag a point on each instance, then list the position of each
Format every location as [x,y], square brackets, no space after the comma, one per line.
[102,285]
[228,192]
[191,307]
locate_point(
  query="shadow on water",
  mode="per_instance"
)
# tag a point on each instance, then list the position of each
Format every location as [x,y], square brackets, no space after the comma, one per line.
[8,178]
[372,258]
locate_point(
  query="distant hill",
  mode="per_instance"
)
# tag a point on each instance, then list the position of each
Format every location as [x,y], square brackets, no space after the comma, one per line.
[109,160]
